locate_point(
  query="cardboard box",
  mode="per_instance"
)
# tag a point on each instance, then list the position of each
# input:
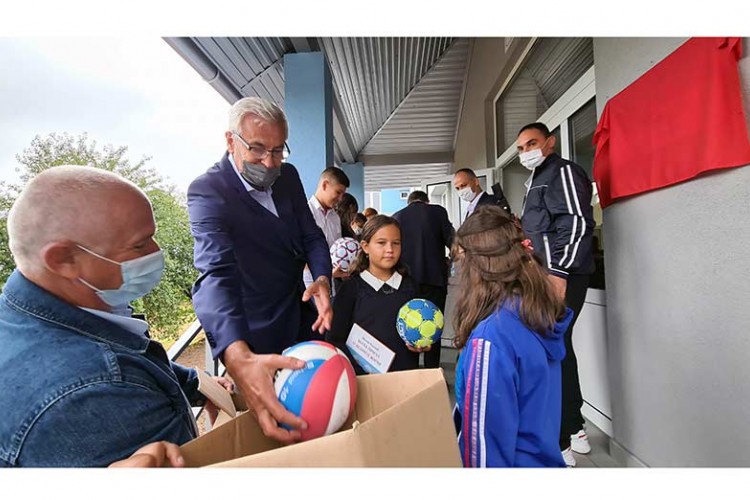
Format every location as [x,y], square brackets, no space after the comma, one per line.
[401,419]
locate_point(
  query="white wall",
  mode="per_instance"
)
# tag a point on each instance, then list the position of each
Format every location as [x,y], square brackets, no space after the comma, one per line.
[677,301]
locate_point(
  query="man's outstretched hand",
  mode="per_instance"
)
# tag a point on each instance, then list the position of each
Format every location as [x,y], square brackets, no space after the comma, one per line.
[253,376]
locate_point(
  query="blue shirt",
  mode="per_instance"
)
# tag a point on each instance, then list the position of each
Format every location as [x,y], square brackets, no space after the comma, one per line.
[133,325]
[79,390]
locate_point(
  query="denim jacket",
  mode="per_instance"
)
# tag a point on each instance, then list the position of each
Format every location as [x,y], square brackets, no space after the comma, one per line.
[77,390]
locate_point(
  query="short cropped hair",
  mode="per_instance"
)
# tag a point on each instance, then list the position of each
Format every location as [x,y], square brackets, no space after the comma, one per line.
[541,127]
[335,174]
[51,206]
[466,171]
[417,196]
[265,110]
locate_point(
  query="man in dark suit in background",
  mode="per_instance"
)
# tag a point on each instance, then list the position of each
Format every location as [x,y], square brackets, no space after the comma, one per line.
[467,184]
[425,234]
[254,233]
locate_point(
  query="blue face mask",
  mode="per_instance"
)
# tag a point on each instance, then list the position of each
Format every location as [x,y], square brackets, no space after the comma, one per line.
[139,276]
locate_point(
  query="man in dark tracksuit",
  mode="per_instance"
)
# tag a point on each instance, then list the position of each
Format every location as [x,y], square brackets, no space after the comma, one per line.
[558,218]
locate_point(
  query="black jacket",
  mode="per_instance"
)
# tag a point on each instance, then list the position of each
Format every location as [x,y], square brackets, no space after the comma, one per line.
[376,312]
[491,199]
[558,217]
[425,234]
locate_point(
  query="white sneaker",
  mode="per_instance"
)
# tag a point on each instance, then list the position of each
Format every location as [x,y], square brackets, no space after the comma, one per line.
[567,455]
[579,442]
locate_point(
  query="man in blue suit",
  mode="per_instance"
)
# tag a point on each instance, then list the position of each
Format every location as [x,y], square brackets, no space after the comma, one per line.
[254,233]
[426,232]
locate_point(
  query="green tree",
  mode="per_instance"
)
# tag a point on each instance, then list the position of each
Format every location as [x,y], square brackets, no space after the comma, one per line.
[65,149]
[168,306]
[6,260]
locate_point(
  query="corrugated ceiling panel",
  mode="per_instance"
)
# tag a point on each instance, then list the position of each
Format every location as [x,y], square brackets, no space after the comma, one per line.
[371,76]
[522,104]
[402,176]
[253,65]
[552,66]
[426,119]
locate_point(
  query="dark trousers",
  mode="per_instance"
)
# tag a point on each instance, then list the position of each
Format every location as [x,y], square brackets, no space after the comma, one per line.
[572,420]
[436,295]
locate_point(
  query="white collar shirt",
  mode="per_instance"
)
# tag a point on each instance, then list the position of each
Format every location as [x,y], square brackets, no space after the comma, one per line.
[133,325]
[473,205]
[327,220]
[376,283]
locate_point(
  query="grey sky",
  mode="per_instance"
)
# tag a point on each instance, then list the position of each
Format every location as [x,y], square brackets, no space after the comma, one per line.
[130,91]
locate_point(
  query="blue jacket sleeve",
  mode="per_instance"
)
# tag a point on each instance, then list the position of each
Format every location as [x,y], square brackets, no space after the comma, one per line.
[69,432]
[313,239]
[188,380]
[568,201]
[216,293]
[490,406]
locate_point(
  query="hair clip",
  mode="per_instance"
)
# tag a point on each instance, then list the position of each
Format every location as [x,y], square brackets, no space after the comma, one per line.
[527,246]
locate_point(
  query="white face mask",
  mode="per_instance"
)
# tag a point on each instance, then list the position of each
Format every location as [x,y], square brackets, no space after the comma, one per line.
[531,159]
[466,194]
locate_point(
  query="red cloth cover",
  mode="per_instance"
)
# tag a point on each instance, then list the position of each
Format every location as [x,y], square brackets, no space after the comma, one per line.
[680,119]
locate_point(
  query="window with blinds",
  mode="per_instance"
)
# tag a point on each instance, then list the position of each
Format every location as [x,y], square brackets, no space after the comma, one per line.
[551,68]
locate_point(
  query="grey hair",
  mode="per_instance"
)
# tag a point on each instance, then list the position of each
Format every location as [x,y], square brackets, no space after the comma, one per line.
[265,110]
[51,208]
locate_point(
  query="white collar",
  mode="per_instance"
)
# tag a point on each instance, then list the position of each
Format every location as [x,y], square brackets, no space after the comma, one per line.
[376,283]
[316,203]
[474,202]
[133,325]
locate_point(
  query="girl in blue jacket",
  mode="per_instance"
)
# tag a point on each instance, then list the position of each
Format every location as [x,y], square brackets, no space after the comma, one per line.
[510,326]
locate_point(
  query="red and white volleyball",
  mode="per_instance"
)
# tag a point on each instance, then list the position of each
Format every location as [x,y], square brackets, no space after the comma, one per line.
[323,393]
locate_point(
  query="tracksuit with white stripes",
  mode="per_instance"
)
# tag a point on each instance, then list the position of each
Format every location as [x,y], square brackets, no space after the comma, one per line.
[558,218]
[508,393]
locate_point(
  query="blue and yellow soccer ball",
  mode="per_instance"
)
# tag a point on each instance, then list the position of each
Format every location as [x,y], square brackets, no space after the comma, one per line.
[420,323]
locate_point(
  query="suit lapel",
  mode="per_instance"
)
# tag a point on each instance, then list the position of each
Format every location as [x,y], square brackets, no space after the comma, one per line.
[287,217]
[283,205]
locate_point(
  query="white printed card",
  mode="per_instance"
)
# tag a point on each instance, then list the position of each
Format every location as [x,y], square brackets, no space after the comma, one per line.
[371,354]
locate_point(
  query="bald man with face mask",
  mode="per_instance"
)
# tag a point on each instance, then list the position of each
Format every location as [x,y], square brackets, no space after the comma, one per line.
[82,383]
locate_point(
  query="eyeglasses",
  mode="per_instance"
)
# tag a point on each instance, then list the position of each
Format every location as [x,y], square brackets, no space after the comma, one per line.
[261,153]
